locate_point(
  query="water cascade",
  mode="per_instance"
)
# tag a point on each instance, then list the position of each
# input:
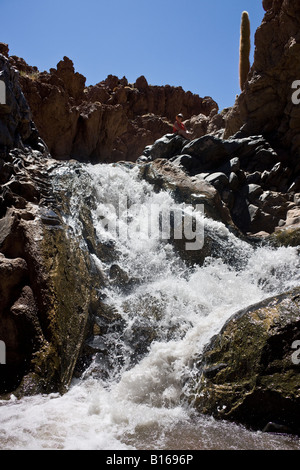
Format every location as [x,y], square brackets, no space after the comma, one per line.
[162,309]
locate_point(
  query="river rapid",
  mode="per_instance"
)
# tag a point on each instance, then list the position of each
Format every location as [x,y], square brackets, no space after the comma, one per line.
[139,403]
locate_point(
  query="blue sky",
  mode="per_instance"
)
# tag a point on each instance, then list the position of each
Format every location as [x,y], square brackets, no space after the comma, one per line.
[190,43]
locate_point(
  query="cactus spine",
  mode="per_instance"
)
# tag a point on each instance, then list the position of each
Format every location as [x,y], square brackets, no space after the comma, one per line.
[245,46]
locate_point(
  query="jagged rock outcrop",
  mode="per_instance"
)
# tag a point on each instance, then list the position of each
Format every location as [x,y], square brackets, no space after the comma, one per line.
[16,124]
[249,371]
[110,121]
[265,106]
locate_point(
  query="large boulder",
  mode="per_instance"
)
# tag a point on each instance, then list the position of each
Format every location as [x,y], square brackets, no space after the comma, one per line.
[169,176]
[168,146]
[249,372]
[38,266]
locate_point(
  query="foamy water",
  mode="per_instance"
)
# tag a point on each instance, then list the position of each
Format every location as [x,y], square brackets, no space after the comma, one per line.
[139,405]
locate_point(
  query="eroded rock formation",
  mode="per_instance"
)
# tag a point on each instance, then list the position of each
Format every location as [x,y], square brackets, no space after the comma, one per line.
[110,121]
[265,106]
[38,263]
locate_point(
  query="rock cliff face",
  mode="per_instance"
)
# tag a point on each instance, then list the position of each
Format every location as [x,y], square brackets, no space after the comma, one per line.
[265,106]
[36,324]
[110,121]
[16,125]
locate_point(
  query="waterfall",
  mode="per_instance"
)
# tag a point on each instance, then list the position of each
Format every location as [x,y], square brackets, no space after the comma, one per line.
[130,395]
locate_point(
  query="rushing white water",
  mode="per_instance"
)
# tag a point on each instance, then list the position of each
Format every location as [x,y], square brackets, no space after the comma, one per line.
[169,314]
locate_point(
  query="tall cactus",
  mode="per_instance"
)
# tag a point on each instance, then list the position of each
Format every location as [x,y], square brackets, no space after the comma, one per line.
[245,46]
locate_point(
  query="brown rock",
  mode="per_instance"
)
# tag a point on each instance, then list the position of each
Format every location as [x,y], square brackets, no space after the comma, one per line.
[293,217]
[191,190]
[74,83]
[12,274]
[265,106]
[140,132]
[4,49]
[103,122]
[141,83]
[15,116]
[267,4]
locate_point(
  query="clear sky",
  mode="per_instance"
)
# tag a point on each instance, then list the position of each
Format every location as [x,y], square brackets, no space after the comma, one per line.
[188,43]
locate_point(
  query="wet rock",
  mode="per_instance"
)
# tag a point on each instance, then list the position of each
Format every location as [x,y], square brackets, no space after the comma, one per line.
[40,289]
[165,175]
[208,150]
[218,180]
[277,428]
[285,236]
[12,274]
[166,147]
[49,217]
[196,192]
[187,162]
[253,378]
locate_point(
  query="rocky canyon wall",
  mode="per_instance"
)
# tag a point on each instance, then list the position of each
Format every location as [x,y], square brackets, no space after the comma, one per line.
[110,121]
[244,161]
[37,259]
[266,106]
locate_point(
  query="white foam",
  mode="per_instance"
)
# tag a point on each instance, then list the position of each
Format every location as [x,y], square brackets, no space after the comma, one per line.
[184,306]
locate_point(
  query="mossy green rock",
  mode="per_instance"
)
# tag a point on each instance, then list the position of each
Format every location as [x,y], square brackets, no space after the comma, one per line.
[287,236]
[248,372]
